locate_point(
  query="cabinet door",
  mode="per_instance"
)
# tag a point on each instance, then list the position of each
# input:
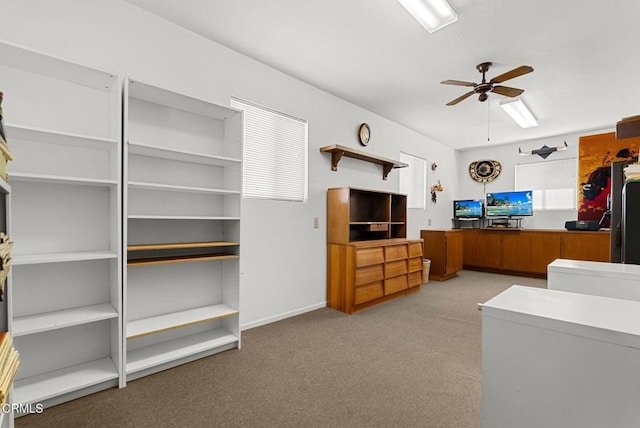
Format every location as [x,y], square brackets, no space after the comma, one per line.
[470,244]
[489,249]
[585,246]
[454,247]
[515,252]
[544,248]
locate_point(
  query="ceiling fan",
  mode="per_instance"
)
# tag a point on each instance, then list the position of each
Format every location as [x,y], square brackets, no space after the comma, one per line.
[483,88]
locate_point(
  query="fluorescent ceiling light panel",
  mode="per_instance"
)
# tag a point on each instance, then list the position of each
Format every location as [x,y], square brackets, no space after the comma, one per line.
[431,14]
[519,112]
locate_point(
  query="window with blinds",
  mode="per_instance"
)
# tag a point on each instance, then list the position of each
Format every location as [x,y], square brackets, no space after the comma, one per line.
[413,180]
[553,183]
[274,164]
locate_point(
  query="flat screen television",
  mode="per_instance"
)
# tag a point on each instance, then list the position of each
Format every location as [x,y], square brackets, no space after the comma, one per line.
[468,208]
[510,204]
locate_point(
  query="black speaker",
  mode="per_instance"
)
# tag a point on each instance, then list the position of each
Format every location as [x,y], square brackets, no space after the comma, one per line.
[582,225]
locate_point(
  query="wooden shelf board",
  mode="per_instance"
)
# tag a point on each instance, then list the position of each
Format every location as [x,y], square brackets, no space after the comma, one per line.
[174,188]
[29,259]
[49,136]
[179,155]
[173,320]
[179,217]
[60,319]
[181,245]
[56,179]
[356,223]
[180,259]
[42,387]
[153,355]
[337,152]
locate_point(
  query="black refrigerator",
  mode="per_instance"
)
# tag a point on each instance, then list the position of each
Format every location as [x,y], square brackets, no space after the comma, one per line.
[630,224]
[615,209]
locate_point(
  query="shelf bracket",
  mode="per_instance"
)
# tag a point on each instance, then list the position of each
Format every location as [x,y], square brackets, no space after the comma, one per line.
[335,158]
[386,169]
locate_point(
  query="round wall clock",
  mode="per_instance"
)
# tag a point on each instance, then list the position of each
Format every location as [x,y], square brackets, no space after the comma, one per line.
[364,134]
[484,171]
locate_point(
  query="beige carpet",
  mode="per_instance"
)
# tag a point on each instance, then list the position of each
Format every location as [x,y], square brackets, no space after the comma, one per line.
[411,362]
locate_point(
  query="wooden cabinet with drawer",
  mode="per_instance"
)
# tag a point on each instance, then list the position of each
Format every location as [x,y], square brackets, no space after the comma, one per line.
[369,259]
[364,273]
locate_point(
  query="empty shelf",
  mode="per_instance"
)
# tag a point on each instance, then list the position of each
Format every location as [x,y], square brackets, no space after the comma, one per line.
[171,350]
[173,320]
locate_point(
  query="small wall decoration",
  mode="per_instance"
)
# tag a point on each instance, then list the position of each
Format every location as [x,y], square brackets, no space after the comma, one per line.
[543,151]
[484,171]
[436,188]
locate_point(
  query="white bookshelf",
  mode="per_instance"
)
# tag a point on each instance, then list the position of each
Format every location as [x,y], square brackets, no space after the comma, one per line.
[182,170]
[63,124]
[5,226]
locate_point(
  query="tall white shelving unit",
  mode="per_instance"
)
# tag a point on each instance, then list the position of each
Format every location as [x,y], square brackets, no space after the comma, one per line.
[183,173]
[5,226]
[63,121]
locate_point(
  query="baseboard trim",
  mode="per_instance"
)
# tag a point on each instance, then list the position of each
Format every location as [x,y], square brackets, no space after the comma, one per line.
[282,316]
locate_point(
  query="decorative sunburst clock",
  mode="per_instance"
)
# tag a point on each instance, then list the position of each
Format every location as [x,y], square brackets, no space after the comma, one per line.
[484,171]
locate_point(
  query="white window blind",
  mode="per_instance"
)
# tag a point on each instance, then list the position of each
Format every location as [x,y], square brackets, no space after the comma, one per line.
[274,164]
[553,183]
[413,180]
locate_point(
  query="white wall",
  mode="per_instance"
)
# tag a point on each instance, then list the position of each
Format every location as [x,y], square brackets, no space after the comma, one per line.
[509,157]
[283,259]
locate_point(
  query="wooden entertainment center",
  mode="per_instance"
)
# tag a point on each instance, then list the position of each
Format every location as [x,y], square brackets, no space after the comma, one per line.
[369,258]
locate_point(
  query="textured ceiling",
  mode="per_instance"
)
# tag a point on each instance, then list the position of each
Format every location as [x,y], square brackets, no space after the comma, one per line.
[373,54]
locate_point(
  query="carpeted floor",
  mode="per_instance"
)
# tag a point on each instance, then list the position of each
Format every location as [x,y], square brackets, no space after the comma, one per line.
[411,362]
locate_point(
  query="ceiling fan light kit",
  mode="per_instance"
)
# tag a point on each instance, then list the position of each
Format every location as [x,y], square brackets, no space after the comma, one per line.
[519,112]
[431,14]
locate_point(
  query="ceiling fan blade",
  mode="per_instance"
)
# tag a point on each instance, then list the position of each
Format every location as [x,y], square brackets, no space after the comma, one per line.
[507,91]
[457,100]
[458,83]
[523,69]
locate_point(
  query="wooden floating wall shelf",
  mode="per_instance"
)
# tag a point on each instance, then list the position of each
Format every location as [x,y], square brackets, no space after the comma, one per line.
[337,152]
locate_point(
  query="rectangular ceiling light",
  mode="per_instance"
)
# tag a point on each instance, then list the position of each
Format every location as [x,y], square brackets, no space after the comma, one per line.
[519,112]
[431,14]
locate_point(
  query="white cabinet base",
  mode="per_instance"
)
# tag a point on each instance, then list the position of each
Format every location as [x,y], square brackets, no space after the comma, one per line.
[618,280]
[560,360]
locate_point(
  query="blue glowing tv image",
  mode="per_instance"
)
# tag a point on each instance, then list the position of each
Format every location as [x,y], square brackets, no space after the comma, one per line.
[469,208]
[510,204]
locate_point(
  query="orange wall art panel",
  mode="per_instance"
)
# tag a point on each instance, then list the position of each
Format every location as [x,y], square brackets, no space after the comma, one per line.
[596,153]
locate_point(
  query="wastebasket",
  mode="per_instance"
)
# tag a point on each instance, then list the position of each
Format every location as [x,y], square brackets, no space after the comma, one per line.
[426,265]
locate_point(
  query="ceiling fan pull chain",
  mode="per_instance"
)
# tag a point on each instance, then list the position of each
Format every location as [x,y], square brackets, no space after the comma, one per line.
[489,121]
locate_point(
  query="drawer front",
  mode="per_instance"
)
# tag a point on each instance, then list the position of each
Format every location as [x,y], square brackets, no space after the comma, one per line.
[415,249]
[396,284]
[415,264]
[369,256]
[368,274]
[396,268]
[367,292]
[395,252]
[415,279]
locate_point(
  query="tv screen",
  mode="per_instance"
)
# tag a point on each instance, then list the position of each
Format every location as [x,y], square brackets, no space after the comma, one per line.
[510,204]
[470,208]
